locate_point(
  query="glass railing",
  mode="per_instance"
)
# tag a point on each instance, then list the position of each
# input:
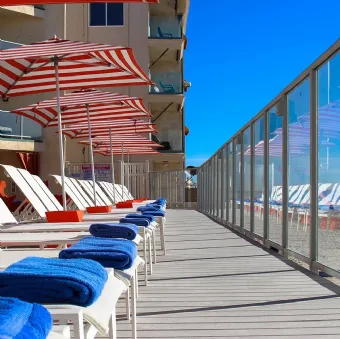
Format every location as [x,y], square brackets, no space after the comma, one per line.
[16,127]
[280,173]
[8,44]
[165,27]
[167,83]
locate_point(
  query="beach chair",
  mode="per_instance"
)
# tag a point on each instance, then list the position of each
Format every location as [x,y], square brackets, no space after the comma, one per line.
[87,322]
[129,277]
[33,208]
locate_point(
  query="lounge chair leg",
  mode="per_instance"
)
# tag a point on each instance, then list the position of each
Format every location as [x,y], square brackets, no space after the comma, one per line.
[154,246]
[162,236]
[134,308]
[127,300]
[146,261]
[136,283]
[113,326]
[150,253]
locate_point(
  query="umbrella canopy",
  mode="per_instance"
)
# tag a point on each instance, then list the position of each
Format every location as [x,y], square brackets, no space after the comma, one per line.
[50,2]
[31,68]
[137,144]
[107,152]
[75,107]
[103,129]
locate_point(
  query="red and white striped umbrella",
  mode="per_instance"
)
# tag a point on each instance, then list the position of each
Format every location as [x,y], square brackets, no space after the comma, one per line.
[138,151]
[136,144]
[32,68]
[50,2]
[127,126]
[57,64]
[76,106]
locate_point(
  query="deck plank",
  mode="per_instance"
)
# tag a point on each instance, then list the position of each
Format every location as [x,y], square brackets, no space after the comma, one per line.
[215,284]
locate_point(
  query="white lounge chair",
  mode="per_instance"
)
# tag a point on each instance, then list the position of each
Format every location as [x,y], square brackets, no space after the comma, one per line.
[129,277]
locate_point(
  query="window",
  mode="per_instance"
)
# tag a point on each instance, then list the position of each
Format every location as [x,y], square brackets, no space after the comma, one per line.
[106,14]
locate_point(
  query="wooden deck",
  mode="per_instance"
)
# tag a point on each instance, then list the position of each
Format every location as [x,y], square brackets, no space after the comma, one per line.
[214,284]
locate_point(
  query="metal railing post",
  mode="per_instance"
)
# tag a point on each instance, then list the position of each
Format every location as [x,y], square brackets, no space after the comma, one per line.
[314,218]
[252,177]
[266,179]
[242,177]
[285,179]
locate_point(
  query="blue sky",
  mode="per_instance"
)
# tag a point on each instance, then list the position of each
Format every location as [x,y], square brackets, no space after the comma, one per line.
[241,56]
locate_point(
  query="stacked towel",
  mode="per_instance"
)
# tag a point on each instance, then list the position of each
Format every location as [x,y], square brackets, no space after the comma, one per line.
[154,213]
[146,208]
[115,253]
[123,231]
[54,281]
[20,320]
[140,216]
[136,221]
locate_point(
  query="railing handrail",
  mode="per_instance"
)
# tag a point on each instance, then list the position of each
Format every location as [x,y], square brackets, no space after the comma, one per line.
[314,66]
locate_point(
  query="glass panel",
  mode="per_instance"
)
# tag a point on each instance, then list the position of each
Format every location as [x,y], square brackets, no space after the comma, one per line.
[169,83]
[215,185]
[275,177]
[258,175]
[219,183]
[115,14]
[246,176]
[238,181]
[165,27]
[298,170]
[32,129]
[230,182]
[97,14]
[225,183]
[329,162]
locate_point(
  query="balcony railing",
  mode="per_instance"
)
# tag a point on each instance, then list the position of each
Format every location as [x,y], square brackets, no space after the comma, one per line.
[16,127]
[277,179]
[8,44]
[165,27]
[167,83]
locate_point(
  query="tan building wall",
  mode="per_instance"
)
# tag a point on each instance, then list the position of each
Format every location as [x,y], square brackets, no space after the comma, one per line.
[25,29]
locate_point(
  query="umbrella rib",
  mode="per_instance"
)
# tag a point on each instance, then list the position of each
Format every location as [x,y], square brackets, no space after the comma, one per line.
[19,77]
[119,67]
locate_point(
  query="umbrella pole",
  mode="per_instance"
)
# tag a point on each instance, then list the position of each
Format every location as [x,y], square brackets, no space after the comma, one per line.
[61,148]
[91,156]
[128,172]
[122,180]
[112,169]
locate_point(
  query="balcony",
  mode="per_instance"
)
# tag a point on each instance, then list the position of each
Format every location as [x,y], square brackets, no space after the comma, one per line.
[19,12]
[165,27]
[19,133]
[8,44]
[169,83]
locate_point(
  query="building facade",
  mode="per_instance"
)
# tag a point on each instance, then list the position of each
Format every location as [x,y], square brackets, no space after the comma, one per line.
[156,33]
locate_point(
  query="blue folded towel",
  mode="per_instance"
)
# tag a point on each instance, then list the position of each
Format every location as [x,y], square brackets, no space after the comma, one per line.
[136,221]
[154,205]
[154,213]
[22,320]
[115,253]
[124,231]
[140,216]
[54,281]
[151,208]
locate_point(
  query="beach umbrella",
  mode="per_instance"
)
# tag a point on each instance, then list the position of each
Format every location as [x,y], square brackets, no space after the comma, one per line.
[50,2]
[57,64]
[79,106]
[107,129]
[85,106]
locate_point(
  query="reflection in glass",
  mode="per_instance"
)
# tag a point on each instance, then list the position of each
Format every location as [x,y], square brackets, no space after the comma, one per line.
[246,176]
[275,176]
[298,168]
[329,162]
[237,179]
[230,181]
[258,175]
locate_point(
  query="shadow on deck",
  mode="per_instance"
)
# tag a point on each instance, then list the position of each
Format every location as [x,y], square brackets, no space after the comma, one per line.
[214,284]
